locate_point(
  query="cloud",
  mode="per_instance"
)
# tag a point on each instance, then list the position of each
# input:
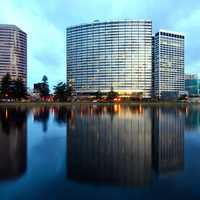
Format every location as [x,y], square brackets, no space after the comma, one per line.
[45,23]
[190,26]
[46,43]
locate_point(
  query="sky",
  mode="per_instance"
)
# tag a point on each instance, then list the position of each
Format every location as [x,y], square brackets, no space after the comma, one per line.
[45,22]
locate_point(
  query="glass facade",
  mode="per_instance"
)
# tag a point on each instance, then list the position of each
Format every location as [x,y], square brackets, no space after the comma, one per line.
[13,52]
[193,87]
[168,63]
[117,55]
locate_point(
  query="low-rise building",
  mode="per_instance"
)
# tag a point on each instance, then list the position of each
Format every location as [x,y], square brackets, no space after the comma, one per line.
[192,84]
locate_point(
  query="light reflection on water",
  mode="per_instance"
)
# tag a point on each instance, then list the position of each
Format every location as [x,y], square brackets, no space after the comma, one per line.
[74,152]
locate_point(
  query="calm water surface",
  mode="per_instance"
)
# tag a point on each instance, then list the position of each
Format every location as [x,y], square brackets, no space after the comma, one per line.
[100,152]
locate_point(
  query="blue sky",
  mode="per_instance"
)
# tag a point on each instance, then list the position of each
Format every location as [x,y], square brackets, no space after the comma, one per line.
[45,22]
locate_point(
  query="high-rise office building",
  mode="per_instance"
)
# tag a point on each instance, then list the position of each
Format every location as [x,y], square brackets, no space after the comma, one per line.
[13,52]
[153,68]
[168,63]
[105,55]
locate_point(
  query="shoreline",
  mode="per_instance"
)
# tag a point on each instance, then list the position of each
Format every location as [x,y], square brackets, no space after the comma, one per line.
[164,103]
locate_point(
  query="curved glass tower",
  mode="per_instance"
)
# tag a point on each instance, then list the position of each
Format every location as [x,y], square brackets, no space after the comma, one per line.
[13,52]
[105,55]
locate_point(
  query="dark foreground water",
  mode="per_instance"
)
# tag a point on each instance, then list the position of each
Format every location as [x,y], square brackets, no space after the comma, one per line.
[100,152]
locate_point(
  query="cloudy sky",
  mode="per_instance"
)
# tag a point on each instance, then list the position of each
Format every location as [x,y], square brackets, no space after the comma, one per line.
[45,22]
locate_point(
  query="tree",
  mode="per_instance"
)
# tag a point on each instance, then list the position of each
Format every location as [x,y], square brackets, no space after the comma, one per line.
[43,117]
[45,79]
[44,89]
[63,92]
[12,89]
[18,89]
[60,91]
[98,94]
[112,94]
[69,91]
[6,86]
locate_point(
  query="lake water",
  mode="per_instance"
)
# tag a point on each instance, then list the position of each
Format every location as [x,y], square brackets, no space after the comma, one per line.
[100,152]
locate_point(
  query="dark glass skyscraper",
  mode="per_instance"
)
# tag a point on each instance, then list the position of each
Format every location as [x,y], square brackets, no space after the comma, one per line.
[105,55]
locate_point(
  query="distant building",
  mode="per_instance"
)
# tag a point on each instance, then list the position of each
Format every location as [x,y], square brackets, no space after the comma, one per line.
[168,64]
[105,55]
[13,52]
[191,76]
[192,84]
[37,87]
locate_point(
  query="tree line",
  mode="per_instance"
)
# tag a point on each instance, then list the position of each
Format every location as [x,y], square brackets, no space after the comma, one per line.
[12,88]
[62,91]
[15,89]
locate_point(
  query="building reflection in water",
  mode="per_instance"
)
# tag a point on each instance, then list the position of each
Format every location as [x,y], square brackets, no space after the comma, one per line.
[62,114]
[168,140]
[13,142]
[41,114]
[192,122]
[110,145]
[123,145]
